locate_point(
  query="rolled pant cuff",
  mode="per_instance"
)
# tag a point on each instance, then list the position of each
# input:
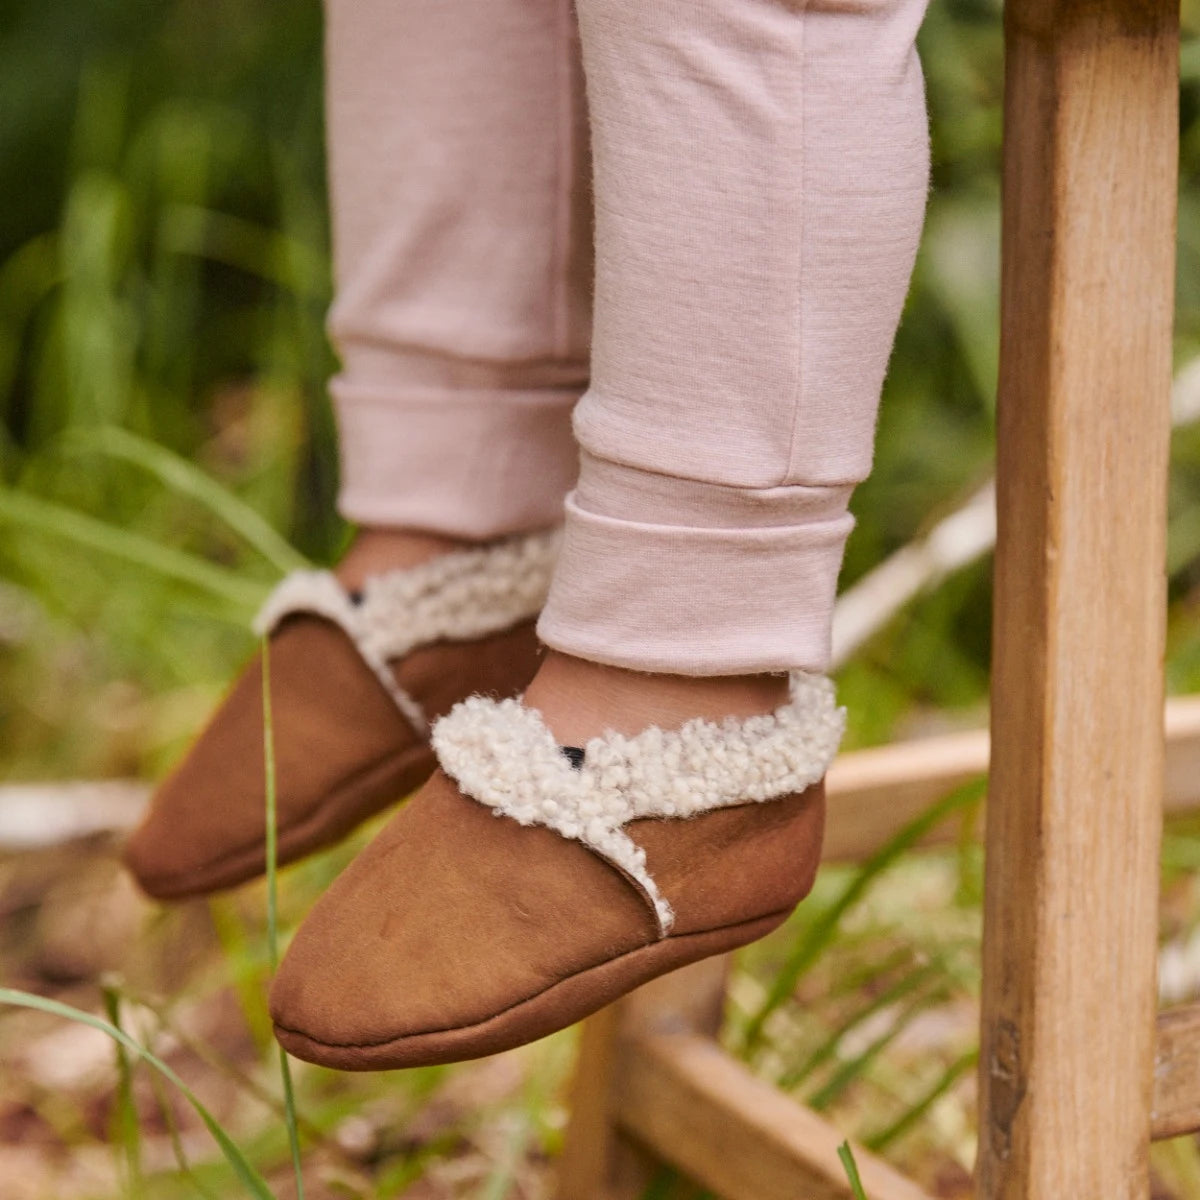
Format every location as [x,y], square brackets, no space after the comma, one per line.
[684,600]
[473,465]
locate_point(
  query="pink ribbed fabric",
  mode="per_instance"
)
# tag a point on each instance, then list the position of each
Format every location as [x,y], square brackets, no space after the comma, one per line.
[461,197]
[760,177]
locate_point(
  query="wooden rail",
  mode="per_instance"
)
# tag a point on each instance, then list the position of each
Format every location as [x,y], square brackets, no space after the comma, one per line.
[874,793]
[1176,1106]
[652,1078]
[694,1105]
[652,1085]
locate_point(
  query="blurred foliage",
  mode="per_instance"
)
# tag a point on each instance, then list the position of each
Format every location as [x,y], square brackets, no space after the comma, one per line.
[163,268]
[163,282]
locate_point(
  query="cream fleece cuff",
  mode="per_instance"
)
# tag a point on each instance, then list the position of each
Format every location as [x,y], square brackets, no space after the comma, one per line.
[502,754]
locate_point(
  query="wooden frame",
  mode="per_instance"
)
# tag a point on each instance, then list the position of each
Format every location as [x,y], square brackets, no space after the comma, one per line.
[656,1050]
[1070,909]
[1075,1074]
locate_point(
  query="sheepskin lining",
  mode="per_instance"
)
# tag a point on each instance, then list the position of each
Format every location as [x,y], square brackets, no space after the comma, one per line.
[461,596]
[503,755]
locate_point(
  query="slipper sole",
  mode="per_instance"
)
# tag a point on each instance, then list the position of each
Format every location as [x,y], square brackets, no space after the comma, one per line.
[555,1007]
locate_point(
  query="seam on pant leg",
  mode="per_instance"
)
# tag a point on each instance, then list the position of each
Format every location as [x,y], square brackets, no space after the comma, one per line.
[625,492]
[797,395]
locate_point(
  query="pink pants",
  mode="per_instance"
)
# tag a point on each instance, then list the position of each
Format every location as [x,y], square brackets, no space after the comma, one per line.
[760,172]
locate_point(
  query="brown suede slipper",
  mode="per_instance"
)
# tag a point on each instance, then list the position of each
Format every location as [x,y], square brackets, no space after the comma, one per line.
[356,682]
[528,885]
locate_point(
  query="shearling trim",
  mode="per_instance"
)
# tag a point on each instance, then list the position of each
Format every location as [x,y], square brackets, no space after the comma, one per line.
[503,755]
[461,596]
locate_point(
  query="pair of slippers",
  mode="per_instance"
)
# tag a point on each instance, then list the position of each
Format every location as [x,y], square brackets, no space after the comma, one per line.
[526,884]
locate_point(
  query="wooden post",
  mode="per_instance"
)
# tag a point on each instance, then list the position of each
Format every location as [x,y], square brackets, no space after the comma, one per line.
[1073,821]
[599,1161]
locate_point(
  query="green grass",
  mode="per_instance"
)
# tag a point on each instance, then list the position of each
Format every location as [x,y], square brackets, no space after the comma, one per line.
[253,1182]
[126,1136]
[847,1157]
[825,929]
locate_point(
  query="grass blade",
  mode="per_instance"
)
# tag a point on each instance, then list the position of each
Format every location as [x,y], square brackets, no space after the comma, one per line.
[269,254]
[285,1070]
[289,1107]
[45,516]
[896,991]
[255,1184]
[884,1138]
[125,1118]
[850,1070]
[241,1078]
[825,928]
[851,1167]
[182,1164]
[186,479]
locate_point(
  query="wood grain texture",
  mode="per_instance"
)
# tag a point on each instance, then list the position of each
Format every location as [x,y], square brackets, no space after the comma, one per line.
[1073,823]
[698,1107]
[1176,1107]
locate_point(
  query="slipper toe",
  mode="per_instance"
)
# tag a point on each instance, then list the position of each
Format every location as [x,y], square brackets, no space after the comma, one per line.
[335,732]
[451,916]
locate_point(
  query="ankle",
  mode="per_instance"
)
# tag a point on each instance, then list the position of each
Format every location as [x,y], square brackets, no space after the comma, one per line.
[581,699]
[376,549]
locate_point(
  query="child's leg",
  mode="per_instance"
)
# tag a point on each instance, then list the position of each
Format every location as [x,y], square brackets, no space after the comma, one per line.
[761,169]
[462,242]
